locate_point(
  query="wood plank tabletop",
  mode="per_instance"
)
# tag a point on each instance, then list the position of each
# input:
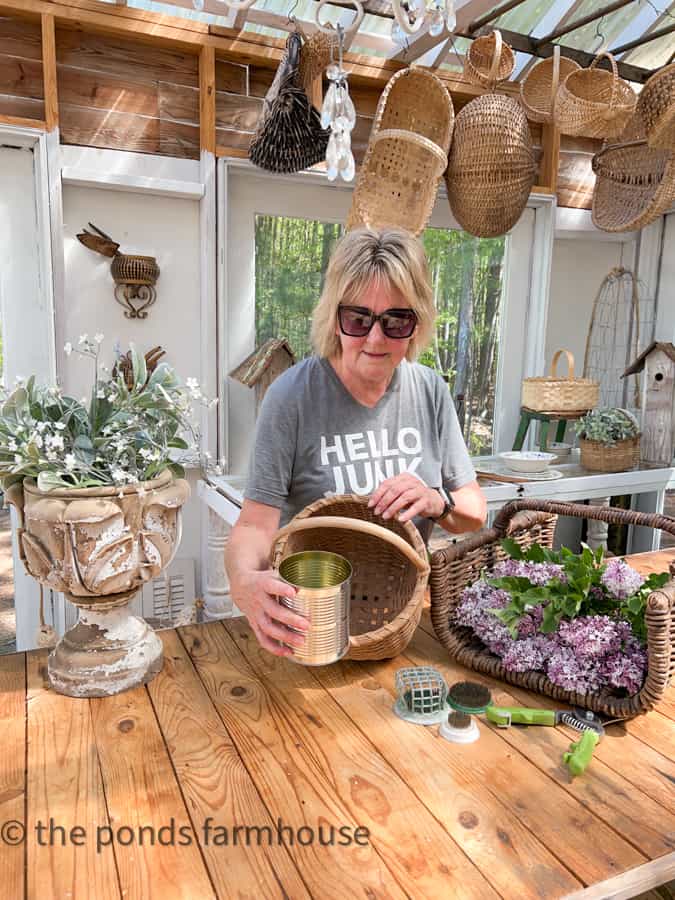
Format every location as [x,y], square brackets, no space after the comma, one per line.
[238,774]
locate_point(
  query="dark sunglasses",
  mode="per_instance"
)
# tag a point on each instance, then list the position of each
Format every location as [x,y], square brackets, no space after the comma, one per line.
[356,321]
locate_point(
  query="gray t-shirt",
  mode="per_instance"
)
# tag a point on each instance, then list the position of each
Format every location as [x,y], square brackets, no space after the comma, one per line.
[314,439]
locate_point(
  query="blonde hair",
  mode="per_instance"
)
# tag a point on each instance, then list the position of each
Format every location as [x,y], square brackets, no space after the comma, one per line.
[364,256]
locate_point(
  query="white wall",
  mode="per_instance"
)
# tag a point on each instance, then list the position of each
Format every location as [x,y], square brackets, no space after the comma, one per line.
[166,228]
[579,266]
[665,310]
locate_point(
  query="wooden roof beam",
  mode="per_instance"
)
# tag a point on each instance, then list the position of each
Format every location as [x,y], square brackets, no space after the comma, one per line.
[644,39]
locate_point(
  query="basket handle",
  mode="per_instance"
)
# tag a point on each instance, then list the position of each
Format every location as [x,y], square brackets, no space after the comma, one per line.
[577,510]
[349,524]
[401,134]
[609,112]
[496,59]
[570,363]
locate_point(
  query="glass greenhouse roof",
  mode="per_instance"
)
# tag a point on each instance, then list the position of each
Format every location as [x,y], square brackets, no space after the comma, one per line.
[622,24]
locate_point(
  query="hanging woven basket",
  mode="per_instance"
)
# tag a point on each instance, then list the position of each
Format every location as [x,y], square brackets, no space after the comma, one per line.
[656,106]
[491,169]
[406,155]
[635,184]
[594,102]
[539,87]
[489,60]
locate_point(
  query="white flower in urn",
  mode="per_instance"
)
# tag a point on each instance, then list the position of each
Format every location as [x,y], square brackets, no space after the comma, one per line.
[136,420]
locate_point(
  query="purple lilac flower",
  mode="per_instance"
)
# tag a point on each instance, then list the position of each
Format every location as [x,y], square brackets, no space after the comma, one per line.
[620,579]
[626,669]
[530,653]
[530,624]
[473,610]
[568,672]
[538,573]
[592,637]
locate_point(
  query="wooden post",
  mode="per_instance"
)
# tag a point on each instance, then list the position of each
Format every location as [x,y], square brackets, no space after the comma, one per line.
[49,71]
[207,99]
[550,138]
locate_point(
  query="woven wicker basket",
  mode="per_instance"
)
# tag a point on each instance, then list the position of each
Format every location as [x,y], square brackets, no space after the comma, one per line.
[390,566]
[593,102]
[539,87]
[489,60]
[491,168]
[128,269]
[656,106]
[406,155]
[554,393]
[458,565]
[635,184]
[621,456]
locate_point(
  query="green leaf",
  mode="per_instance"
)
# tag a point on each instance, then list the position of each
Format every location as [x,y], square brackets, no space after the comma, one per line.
[177,469]
[512,547]
[535,553]
[178,443]
[550,620]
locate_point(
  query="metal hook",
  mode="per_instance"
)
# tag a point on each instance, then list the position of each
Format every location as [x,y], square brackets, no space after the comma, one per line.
[291,18]
[600,35]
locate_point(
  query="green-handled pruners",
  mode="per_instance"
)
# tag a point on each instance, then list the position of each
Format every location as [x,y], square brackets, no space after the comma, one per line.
[579,754]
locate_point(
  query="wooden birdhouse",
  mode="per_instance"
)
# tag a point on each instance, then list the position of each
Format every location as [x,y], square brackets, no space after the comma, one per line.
[658,402]
[261,367]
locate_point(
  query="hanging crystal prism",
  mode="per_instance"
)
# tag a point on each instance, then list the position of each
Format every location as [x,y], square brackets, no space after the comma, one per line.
[339,114]
[450,15]
[437,24]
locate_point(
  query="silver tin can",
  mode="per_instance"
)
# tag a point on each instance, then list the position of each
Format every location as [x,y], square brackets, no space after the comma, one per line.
[323,582]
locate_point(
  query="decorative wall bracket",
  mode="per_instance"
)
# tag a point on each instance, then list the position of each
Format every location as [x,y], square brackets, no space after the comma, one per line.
[135,276]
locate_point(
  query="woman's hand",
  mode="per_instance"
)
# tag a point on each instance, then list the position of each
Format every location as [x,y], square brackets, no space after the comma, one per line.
[406,496]
[254,593]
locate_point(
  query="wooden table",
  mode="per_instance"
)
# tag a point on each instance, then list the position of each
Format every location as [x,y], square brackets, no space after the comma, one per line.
[157,778]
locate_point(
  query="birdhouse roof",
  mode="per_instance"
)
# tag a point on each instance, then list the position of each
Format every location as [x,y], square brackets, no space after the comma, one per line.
[639,363]
[254,366]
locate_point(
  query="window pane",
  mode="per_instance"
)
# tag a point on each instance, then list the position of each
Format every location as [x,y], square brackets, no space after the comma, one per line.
[292,256]
[466,274]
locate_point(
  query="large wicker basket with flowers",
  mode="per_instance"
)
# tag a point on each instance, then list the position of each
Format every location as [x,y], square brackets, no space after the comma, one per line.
[457,566]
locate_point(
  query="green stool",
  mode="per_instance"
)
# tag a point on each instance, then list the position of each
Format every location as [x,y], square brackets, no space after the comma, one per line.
[562,418]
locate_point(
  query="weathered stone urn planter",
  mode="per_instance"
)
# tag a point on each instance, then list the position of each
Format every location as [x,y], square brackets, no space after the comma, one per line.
[99,546]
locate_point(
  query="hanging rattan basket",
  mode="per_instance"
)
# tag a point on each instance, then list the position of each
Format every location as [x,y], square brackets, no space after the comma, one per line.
[656,106]
[594,102]
[491,169]
[555,393]
[406,155]
[635,184]
[459,565]
[390,569]
[489,60]
[539,87]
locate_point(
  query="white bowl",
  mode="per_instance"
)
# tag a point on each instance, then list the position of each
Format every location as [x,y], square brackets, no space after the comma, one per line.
[559,448]
[527,460]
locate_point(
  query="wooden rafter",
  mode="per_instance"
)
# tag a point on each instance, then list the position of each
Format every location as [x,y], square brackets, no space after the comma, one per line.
[644,39]
[494,14]
[49,71]
[207,99]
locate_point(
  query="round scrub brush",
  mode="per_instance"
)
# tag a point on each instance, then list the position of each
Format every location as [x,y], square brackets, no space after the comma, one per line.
[467,698]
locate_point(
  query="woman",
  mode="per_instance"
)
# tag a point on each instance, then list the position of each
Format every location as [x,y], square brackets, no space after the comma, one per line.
[358,417]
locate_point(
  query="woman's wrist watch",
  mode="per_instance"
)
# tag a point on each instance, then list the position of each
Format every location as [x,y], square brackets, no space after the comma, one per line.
[448,505]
